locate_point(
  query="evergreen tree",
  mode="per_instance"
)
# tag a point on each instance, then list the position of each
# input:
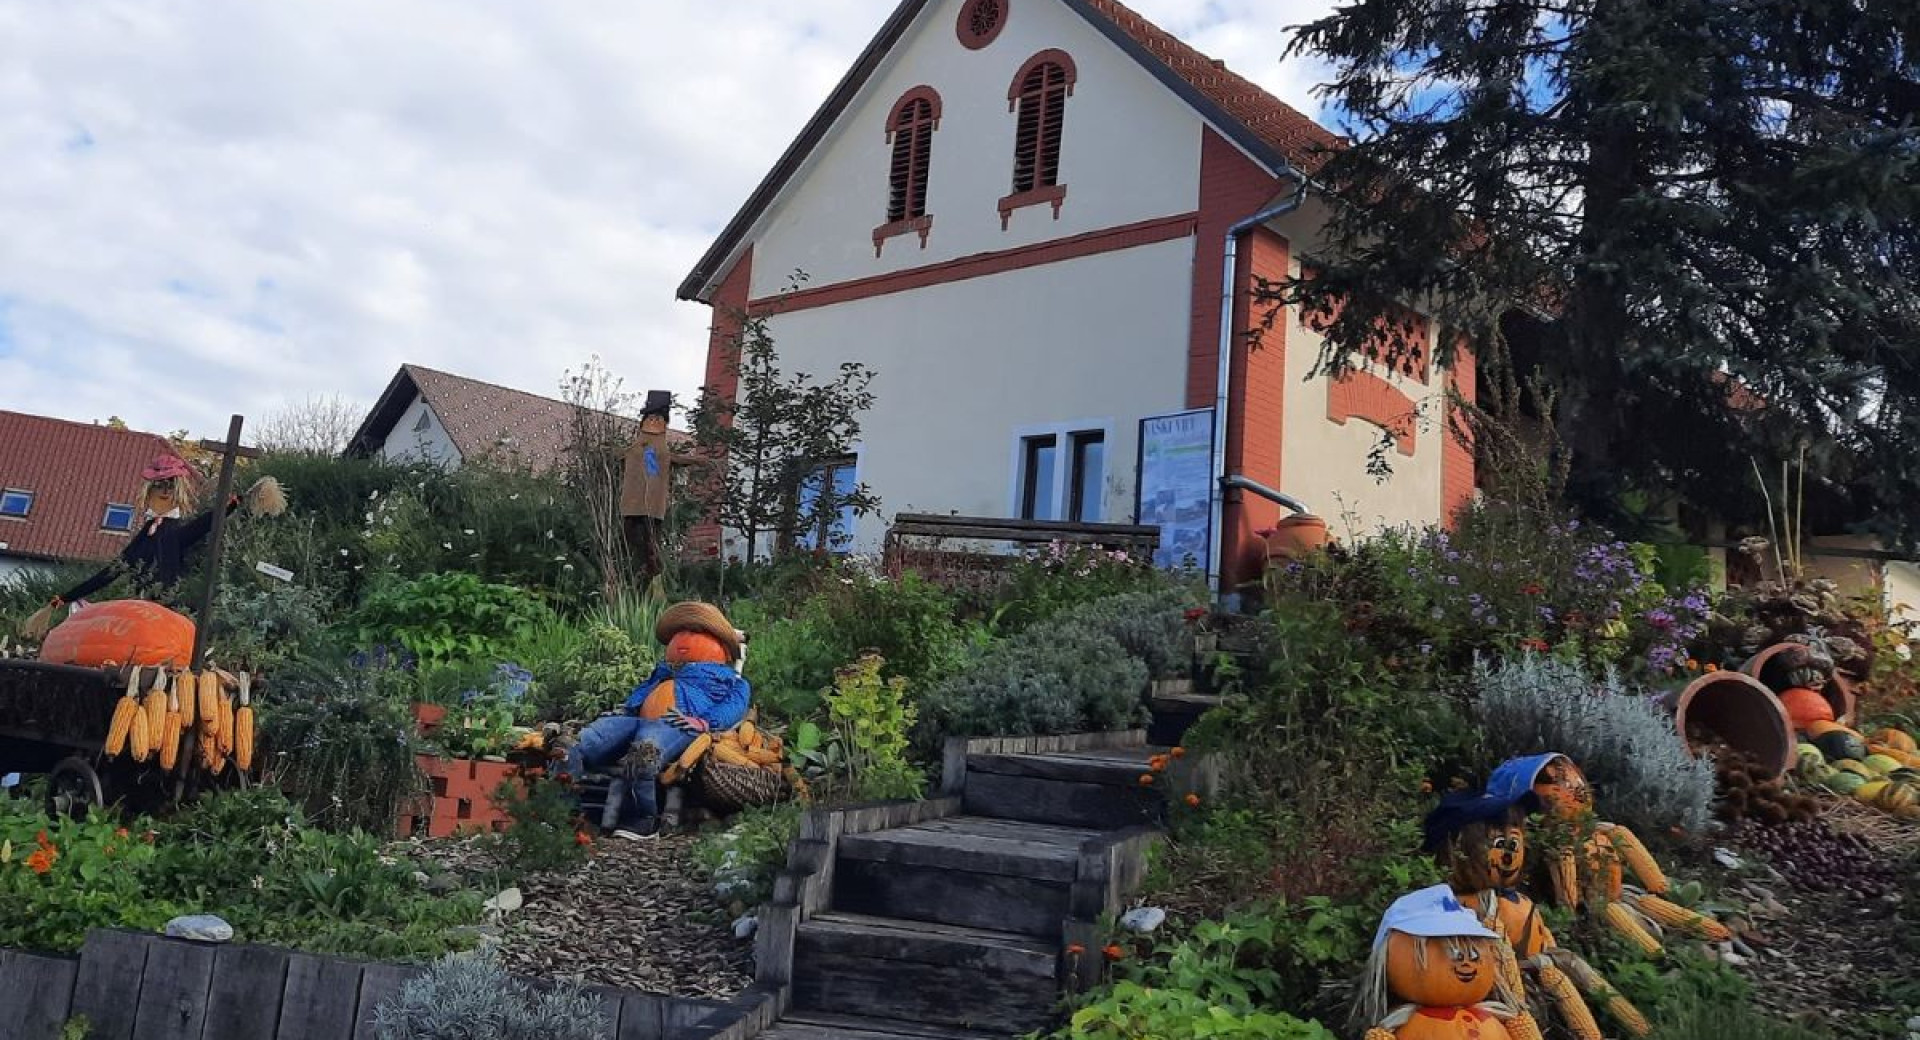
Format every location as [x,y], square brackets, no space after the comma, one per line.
[1695,218]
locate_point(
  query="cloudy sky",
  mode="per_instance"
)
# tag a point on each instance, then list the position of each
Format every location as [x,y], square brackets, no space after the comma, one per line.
[209,206]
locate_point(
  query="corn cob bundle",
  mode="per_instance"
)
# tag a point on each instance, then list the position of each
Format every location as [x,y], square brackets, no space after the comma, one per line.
[139,737]
[225,738]
[209,706]
[1565,871]
[243,726]
[749,745]
[1623,920]
[1522,1027]
[210,757]
[183,688]
[1568,1003]
[155,705]
[1673,915]
[1638,860]
[1619,1008]
[170,732]
[1509,965]
[688,759]
[123,712]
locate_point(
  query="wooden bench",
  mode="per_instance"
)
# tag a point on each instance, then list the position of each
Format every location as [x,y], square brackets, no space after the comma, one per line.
[904,553]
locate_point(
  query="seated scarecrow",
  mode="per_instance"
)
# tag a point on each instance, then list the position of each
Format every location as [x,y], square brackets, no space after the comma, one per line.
[694,691]
[155,558]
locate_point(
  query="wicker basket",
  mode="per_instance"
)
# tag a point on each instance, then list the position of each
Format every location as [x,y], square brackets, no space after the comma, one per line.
[730,788]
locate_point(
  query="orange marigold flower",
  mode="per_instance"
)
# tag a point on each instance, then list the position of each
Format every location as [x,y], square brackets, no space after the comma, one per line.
[1114,952]
[1157,763]
[1693,665]
[42,860]
[1193,801]
[41,840]
[1075,950]
[120,832]
[1178,752]
[582,838]
[1146,779]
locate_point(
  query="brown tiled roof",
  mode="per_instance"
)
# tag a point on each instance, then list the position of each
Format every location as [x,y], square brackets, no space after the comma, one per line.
[1288,130]
[483,420]
[1268,128]
[74,470]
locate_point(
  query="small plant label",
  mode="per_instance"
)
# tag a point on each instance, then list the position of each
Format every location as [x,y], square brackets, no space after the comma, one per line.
[271,571]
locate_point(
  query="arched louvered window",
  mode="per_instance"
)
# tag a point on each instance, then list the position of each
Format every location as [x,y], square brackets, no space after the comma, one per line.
[1039,97]
[910,128]
[912,159]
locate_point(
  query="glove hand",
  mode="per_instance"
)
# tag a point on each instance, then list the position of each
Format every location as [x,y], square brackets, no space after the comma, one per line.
[684,723]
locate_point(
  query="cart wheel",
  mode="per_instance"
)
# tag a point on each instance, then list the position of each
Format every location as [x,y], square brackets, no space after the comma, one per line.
[73,789]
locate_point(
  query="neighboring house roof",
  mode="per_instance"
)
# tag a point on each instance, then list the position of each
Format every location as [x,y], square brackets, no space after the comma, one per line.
[482,420]
[74,471]
[1275,133]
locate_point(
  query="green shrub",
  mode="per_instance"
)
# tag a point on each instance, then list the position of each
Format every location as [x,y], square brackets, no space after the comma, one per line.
[1623,742]
[871,720]
[1046,681]
[470,995]
[339,740]
[544,835]
[1064,576]
[452,616]
[740,860]
[263,627]
[1150,625]
[596,676]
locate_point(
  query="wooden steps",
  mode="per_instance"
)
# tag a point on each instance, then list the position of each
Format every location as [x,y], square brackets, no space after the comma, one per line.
[949,919]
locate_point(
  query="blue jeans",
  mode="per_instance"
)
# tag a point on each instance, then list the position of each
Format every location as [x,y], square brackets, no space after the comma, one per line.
[606,740]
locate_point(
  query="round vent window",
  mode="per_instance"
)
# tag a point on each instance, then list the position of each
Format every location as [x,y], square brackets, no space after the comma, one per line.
[981,22]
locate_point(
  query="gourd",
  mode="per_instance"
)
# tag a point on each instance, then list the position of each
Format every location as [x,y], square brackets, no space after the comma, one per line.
[1840,743]
[658,702]
[1805,707]
[1439,972]
[122,632]
[1896,739]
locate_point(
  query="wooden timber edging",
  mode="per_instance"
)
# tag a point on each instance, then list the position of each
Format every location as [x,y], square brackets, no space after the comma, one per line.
[136,986]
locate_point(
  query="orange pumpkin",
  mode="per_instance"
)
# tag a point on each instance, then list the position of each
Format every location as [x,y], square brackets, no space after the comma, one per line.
[1520,922]
[1455,971]
[659,702]
[122,632]
[1805,707]
[1563,788]
[687,647]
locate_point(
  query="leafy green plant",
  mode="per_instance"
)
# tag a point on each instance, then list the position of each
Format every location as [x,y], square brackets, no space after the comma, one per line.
[544,835]
[871,719]
[1064,576]
[1052,681]
[742,858]
[597,675]
[442,617]
[340,742]
[1150,625]
[482,727]
[61,877]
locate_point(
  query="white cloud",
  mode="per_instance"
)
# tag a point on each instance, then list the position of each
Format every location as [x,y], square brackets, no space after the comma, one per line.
[219,205]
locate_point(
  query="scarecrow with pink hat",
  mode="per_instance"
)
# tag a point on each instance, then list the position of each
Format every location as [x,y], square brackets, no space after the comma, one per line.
[155,558]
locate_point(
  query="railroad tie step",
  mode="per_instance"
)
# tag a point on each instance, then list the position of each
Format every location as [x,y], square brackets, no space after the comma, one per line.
[1098,789]
[932,974]
[1005,875]
[810,1026]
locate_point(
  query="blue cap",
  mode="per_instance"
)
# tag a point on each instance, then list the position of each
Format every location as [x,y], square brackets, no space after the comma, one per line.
[1513,781]
[1428,913]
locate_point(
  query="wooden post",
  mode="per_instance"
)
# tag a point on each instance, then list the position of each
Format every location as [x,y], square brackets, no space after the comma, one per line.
[230,452]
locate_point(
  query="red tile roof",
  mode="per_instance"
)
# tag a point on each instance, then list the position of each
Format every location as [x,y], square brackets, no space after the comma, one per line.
[1288,130]
[74,470]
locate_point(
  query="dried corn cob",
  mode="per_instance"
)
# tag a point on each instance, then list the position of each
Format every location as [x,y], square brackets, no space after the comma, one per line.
[210,757]
[224,740]
[139,738]
[1522,1027]
[1568,1003]
[170,732]
[1377,1033]
[154,703]
[183,688]
[123,712]
[1622,919]
[209,706]
[1604,878]
[1698,925]
[243,726]
[1638,860]
[1599,990]
[1509,965]
[1565,870]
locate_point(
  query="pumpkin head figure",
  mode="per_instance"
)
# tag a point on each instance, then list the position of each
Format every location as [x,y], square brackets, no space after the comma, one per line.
[1553,779]
[1440,971]
[1479,840]
[697,633]
[1434,972]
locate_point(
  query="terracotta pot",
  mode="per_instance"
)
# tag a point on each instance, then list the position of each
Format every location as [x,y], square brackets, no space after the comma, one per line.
[429,716]
[1838,691]
[1741,712]
[1299,535]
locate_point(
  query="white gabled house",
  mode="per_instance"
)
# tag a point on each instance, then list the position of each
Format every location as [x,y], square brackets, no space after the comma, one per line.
[1039,221]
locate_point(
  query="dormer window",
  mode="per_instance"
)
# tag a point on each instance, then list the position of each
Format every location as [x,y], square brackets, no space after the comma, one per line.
[16,503]
[910,128]
[1039,97]
[118,517]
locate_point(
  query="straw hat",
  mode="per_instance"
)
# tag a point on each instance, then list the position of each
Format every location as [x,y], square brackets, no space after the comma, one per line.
[698,617]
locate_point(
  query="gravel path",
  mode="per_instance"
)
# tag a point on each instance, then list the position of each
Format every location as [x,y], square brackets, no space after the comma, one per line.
[634,915]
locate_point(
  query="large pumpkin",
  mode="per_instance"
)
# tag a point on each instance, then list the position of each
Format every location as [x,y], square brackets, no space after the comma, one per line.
[659,702]
[688,647]
[121,632]
[1805,707]
[1451,971]
[1563,788]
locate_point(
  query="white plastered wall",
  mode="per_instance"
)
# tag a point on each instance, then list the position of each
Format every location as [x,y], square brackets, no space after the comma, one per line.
[962,369]
[430,444]
[1130,152]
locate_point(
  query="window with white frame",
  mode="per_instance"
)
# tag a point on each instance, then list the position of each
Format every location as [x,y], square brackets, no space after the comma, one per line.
[1062,475]
[118,517]
[16,502]
[828,526]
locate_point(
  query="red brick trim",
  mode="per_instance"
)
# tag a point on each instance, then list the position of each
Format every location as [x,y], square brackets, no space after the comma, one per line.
[923,92]
[1093,243]
[921,225]
[1369,398]
[1231,188]
[1053,194]
[1051,55]
[1457,462]
[993,18]
[1256,415]
[730,310]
